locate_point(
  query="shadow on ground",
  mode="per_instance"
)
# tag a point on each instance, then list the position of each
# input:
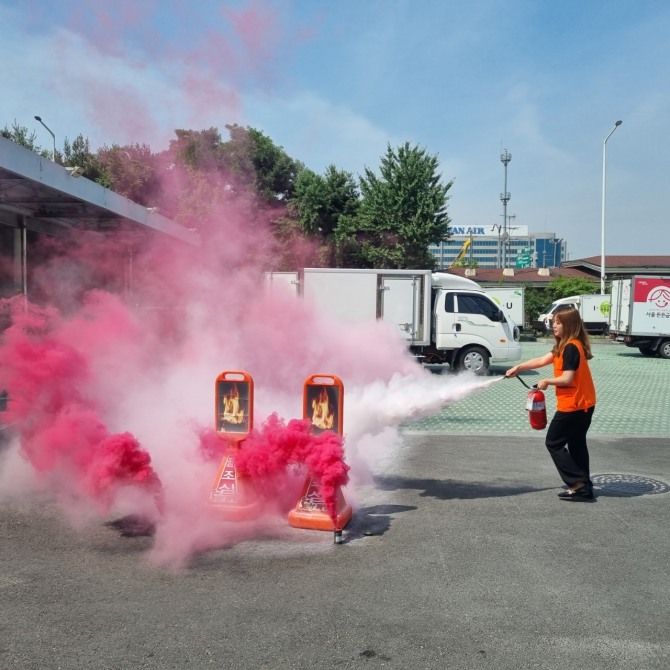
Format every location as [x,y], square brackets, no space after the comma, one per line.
[449,489]
[374,520]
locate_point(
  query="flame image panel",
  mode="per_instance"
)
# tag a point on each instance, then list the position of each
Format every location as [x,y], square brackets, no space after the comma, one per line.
[234,403]
[323,403]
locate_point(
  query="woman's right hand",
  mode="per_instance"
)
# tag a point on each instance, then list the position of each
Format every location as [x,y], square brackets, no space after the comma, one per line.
[512,372]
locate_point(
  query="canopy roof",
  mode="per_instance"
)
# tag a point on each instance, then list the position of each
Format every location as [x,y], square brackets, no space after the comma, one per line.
[51,199]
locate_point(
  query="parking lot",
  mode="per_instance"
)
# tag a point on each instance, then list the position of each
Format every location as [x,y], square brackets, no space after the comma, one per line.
[632,393]
[459,556]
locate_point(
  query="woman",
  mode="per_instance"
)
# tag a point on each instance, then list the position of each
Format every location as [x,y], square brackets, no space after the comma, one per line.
[575,402]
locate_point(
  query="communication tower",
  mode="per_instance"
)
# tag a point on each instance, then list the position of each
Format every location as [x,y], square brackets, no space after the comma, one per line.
[505,158]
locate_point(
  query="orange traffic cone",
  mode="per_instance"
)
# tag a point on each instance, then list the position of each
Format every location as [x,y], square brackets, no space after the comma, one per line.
[323,404]
[233,496]
[310,511]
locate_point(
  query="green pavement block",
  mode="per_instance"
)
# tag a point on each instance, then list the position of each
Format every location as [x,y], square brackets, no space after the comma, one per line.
[632,393]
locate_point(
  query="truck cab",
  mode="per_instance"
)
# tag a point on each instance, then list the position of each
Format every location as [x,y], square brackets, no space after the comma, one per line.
[469,330]
[543,324]
[594,310]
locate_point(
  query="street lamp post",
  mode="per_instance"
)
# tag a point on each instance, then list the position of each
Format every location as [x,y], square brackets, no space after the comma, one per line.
[602,211]
[39,118]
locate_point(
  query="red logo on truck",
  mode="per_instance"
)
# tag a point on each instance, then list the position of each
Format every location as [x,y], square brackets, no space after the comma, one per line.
[656,292]
[660,297]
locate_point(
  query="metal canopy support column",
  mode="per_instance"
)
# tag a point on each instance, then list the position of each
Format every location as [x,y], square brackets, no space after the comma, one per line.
[21,258]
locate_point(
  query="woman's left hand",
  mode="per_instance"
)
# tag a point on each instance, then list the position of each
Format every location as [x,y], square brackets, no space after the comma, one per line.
[542,384]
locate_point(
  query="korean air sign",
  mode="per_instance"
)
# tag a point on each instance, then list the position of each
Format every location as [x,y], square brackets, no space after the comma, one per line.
[462,230]
[487,231]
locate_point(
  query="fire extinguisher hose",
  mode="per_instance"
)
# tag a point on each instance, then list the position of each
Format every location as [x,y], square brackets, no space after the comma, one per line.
[523,382]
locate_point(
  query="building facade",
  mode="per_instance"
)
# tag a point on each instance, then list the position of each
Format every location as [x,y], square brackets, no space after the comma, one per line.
[487,247]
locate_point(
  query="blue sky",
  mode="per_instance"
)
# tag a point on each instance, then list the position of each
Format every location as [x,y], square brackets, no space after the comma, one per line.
[335,82]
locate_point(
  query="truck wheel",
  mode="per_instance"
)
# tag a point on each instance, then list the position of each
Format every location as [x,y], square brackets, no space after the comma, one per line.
[664,349]
[647,351]
[474,359]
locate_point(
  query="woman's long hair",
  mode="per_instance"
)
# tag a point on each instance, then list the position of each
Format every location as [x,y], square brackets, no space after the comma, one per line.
[573,329]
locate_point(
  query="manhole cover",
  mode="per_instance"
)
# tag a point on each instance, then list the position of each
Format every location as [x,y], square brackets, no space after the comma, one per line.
[628,485]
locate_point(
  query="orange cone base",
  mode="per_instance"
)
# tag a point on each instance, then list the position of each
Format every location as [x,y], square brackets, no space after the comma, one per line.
[236,511]
[232,497]
[311,513]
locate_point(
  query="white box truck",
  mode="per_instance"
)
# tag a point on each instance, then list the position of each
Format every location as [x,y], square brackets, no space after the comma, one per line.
[443,318]
[593,308]
[510,300]
[640,314]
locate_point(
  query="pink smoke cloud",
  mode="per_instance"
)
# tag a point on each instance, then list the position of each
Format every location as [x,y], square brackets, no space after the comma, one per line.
[266,454]
[110,392]
[168,66]
[60,429]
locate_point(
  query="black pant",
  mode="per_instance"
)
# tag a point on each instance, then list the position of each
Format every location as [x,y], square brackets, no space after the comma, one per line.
[566,442]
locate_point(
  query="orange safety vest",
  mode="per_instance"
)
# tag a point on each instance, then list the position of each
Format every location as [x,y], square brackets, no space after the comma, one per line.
[582,393]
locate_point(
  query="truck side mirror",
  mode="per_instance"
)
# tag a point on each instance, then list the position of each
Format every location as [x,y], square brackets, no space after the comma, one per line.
[500,316]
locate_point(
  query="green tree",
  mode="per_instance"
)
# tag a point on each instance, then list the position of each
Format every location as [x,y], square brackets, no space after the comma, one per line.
[275,169]
[402,212]
[79,154]
[535,301]
[258,163]
[343,199]
[310,201]
[193,176]
[562,287]
[129,170]
[197,149]
[321,201]
[26,138]
[237,156]
[293,249]
[324,204]
[201,172]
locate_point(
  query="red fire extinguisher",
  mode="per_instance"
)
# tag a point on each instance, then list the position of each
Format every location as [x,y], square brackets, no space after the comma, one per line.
[536,406]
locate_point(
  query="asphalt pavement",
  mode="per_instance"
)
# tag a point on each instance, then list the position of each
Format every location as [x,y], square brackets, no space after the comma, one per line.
[459,555]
